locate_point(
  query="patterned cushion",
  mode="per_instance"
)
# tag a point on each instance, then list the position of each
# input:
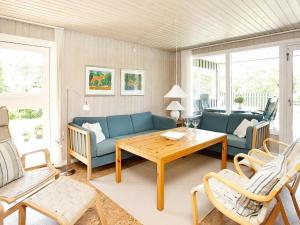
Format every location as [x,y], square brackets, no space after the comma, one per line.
[10,163]
[261,183]
[228,197]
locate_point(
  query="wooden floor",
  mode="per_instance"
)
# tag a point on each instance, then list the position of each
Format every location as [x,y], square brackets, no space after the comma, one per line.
[115,215]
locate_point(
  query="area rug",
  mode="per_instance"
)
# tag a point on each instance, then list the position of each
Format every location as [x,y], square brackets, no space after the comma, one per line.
[137,191]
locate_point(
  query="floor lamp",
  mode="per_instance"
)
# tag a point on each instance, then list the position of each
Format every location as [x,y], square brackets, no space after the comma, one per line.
[85,107]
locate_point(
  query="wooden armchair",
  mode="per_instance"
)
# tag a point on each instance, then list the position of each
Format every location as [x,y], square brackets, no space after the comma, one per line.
[227,182]
[33,180]
[265,156]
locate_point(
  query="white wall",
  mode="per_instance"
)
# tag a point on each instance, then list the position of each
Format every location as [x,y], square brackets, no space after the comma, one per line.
[82,49]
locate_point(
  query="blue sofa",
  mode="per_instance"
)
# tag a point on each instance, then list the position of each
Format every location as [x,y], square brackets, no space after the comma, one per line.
[113,127]
[227,123]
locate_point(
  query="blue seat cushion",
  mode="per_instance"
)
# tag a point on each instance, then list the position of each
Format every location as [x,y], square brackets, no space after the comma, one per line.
[235,141]
[214,122]
[105,147]
[235,119]
[119,125]
[142,121]
[102,121]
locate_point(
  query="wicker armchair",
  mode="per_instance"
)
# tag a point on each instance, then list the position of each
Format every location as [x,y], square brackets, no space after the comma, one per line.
[33,180]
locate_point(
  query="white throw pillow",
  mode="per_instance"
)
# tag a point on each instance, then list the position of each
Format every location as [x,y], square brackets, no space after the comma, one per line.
[96,128]
[241,129]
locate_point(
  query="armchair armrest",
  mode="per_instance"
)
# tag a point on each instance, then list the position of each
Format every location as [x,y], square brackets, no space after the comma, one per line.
[235,187]
[265,143]
[163,122]
[251,162]
[47,159]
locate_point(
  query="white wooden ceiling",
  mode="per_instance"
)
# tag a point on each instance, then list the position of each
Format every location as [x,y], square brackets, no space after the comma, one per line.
[151,22]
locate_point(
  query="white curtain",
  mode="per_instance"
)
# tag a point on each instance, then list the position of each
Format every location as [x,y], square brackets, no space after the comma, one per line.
[56,98]
[187,81]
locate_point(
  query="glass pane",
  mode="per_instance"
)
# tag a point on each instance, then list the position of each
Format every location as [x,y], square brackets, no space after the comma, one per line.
[20,71]
[296,94]
[209,83]
[27,129]
[255,78]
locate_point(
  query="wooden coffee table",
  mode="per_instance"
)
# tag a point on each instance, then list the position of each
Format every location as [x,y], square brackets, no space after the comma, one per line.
[162,151]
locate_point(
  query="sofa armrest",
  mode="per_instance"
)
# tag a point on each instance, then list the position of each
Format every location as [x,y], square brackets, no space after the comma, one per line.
[257,134]
[93,143]
[163,122]
[249,137]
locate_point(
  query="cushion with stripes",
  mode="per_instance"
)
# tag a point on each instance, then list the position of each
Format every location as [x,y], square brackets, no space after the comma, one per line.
[10,164]
[261,183]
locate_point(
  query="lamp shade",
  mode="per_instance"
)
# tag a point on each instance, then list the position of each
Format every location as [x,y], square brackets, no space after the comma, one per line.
[176,92]
[175,105]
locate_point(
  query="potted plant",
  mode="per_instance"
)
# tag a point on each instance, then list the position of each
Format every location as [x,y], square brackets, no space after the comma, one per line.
[26,136]
[239,100]
[38,131]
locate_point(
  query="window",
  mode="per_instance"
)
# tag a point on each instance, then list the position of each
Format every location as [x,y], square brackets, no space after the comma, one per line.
[209,83]
[24,89]
[254,79]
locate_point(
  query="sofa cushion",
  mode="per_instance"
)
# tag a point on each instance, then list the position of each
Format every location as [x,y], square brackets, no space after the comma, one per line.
[142,121]
[119,125]
[214,122]
[108,146]
[105,147]
[102,120]
[235,119]
[235,141]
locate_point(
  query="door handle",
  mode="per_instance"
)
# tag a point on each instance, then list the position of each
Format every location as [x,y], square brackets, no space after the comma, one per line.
[290,102]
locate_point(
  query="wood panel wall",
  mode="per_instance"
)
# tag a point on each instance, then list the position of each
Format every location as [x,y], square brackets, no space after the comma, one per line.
[26,30]
[82,49]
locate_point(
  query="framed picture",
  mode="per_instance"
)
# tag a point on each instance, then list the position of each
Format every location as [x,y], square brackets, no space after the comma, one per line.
[132,82]
[99,81]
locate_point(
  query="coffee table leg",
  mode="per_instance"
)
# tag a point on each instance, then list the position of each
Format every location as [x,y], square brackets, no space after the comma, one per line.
[160,185]
[224,154]
[118,164]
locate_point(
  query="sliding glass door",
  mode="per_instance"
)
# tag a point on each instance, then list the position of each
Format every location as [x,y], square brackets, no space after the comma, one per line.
[24,90]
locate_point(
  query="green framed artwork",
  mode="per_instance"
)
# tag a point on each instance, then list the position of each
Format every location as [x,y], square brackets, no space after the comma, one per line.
[132,82]
[99,81]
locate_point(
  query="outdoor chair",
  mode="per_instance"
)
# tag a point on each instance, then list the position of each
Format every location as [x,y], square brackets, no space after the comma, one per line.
[220,187]
[34,178]
[270,110]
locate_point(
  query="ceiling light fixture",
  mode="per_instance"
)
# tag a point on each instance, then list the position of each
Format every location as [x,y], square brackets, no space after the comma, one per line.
[176,91]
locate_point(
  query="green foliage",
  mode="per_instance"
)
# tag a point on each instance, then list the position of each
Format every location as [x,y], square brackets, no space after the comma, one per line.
[25,114]
[239,99]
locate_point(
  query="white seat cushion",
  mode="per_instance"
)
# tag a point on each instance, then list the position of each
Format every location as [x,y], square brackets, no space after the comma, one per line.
[66,198]
[28,182]
[228,197]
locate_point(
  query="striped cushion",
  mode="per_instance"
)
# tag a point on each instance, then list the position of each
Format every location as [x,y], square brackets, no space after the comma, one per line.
[261,183]
[10,163]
